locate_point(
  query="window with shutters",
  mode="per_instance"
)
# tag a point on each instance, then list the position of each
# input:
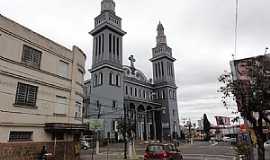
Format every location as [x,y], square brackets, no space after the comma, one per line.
[26,94]
[15,136]
[31,56]
[63,69]
[78,107]
[60,106]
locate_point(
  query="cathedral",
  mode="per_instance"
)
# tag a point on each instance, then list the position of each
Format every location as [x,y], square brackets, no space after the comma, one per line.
[116,91]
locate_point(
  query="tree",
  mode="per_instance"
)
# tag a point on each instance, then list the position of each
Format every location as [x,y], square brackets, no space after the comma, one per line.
[250,95]
[206,127]
[121,127]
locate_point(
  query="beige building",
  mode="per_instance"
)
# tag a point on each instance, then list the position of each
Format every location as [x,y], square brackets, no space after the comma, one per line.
[41,93]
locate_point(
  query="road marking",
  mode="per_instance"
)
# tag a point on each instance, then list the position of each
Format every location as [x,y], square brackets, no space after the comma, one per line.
[209,155]
[214,144]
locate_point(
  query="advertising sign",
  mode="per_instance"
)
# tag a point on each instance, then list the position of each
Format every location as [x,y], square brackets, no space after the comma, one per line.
[221,120]
[244,72]
[95,124]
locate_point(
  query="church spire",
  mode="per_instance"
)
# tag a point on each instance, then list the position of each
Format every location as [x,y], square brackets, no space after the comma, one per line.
[107,5]
[161,37]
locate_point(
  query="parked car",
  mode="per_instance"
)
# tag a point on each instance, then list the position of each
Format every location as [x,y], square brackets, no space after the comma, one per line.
[85,145]
[162,152]
[229,139]
[267,144]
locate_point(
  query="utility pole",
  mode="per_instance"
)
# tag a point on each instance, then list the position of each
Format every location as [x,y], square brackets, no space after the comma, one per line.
[125,131]
[98,117]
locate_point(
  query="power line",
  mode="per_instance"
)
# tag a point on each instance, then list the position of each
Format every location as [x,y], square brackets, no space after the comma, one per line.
[236,28]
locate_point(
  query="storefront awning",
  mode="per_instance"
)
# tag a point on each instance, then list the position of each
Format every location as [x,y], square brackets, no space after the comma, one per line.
[65,127]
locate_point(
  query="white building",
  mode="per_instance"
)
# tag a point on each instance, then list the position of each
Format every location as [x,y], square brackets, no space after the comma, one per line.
[41,93]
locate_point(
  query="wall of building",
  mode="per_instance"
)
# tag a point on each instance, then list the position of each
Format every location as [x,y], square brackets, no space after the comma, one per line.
[30,151]
[47,78]
[105,94]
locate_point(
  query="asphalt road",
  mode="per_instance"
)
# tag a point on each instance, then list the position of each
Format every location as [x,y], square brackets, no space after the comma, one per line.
[209,151]
[196,151]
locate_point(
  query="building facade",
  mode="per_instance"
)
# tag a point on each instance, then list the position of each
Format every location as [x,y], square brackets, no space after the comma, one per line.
[41,94]
[116,90]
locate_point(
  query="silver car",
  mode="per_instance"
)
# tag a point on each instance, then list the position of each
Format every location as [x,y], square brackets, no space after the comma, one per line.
[267,144]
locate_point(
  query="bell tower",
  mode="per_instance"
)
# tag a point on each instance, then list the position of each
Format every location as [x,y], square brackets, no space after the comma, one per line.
[107,69]
[164,83]
[163,69]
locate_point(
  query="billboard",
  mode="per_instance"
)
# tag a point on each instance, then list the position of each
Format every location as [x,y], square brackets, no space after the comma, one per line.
[221,120]
[244,74]
[95,124]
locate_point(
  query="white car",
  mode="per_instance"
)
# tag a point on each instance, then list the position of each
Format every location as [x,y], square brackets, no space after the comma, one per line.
[85,145]
[267,144]
[229,139]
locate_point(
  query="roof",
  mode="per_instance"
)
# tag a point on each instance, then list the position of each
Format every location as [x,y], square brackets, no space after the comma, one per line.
[135,73]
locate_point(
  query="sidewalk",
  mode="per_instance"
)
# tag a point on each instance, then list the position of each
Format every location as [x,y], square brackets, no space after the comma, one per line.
[104,156]
[113,152]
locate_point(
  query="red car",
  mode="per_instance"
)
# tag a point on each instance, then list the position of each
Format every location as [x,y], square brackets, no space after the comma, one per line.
[162,152]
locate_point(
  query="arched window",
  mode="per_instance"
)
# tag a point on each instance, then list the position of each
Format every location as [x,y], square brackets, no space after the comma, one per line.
[111,79]
[135,92]
[126,90]
[100,79]
[95,80]
[164,95]
[117,80]
[144,94]
[174,95]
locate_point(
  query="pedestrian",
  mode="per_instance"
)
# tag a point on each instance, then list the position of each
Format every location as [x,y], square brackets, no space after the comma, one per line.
[42,154]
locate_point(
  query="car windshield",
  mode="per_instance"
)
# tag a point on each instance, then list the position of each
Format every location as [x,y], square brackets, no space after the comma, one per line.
[169,148]
[154,148]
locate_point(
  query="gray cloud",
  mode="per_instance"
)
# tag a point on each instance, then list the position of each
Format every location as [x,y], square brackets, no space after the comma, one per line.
[201,34]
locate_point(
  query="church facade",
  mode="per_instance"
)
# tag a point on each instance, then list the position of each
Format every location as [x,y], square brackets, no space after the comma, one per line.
[116,91]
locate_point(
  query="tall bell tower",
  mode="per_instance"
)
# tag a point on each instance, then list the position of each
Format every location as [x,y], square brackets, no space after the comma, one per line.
[164,83]
[107,70]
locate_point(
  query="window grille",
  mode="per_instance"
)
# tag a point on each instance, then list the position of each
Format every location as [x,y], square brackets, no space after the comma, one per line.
[31,56]
[20,136]
[26,94]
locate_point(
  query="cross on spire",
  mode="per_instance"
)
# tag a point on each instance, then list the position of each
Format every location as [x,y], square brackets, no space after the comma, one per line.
[132,60]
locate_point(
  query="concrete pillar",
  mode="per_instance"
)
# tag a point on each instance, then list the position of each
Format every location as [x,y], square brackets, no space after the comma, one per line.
[154,126]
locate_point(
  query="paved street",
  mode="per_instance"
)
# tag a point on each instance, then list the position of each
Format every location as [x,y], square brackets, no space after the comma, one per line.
[196,151]
[209,151]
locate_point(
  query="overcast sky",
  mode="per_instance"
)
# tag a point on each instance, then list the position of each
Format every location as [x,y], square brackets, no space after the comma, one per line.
[200,32]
